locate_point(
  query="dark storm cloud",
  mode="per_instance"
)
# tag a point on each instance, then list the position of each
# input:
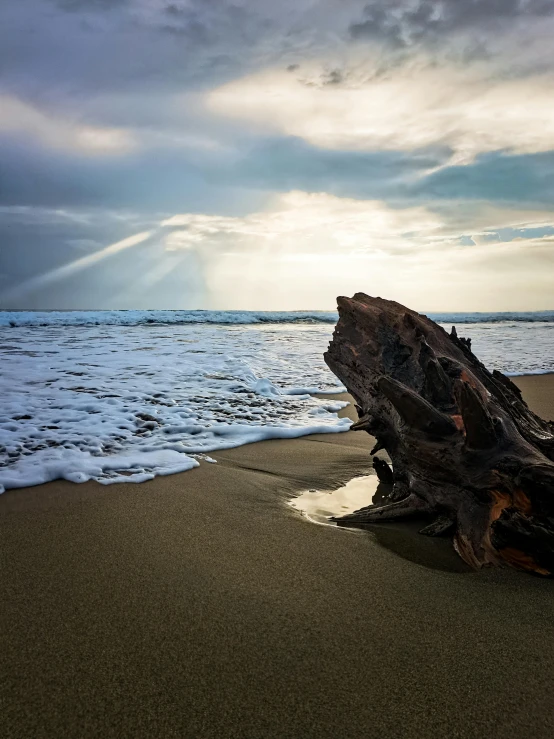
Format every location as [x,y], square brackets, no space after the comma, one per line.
[80,6]
[67,48]
[526,179]
[168,181]
[400,178]
[172,180]
[404,23]
[292,164]
[152,181]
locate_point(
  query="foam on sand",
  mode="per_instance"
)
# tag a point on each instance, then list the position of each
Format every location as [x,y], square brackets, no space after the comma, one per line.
[127,403]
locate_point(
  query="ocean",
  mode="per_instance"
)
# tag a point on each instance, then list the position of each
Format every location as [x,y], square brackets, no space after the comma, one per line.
[123,396]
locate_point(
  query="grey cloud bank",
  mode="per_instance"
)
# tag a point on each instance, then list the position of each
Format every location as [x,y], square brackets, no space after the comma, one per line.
[405,23]
[130,112]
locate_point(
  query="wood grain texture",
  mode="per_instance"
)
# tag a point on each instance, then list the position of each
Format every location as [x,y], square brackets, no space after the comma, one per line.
[465,448]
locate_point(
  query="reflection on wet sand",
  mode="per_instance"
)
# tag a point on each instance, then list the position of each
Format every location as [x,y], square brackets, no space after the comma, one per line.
[401,537]
[320,505]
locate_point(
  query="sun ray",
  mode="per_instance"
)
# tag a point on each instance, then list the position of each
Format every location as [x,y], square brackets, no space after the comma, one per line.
[67,270]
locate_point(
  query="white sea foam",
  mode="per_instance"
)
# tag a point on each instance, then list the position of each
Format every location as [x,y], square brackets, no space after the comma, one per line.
[126,402]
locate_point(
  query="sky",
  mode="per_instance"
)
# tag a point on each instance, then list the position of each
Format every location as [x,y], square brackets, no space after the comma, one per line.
[253,154]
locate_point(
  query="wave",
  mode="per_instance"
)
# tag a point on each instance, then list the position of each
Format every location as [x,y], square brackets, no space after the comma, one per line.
[140,317]
[145,317]
[544,316]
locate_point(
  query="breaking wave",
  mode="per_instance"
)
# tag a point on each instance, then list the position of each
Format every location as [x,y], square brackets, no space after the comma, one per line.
[160,317]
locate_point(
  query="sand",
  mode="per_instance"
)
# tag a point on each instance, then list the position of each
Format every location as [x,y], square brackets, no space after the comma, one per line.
[202,605]
[538,391]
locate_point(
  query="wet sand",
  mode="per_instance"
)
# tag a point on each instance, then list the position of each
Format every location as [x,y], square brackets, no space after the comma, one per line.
[202,605]
[538,391]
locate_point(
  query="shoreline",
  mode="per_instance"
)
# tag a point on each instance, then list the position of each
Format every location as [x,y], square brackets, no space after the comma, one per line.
[538,394]
[201,604]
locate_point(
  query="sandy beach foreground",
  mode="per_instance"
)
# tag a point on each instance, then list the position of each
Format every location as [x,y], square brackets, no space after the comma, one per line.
[201,605]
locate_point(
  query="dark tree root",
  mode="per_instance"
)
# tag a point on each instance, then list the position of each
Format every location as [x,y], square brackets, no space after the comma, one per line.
[464,446]
[383,470]
[441,526]
[410,506]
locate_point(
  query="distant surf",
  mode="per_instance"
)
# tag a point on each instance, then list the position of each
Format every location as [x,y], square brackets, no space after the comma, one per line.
[238,317]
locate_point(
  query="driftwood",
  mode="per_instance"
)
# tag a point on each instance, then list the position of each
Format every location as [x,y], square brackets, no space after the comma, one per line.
[465,448]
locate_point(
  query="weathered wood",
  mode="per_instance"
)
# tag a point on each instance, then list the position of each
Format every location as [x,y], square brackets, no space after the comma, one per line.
[465,448]
[383,470]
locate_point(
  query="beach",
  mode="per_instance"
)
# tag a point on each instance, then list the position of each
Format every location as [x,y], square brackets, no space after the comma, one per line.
[201,604]
[238,239]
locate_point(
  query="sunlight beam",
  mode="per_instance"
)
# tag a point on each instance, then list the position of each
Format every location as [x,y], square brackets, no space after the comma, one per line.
[78,265]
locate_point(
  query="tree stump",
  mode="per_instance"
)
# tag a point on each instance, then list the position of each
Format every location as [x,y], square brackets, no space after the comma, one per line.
[465,448]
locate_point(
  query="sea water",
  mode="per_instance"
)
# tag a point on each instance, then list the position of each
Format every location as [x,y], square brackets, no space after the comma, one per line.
[123,396]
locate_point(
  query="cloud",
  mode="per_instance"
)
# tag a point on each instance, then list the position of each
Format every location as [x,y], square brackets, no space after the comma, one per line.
[407,22]
[85,6]
[319,223]
[412,108]
[125,59]
[299,251]
[425,129]
[306,248]
[148,44]
[494,177]
[58,132]
[155,45]
[307,222]
[288,163]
